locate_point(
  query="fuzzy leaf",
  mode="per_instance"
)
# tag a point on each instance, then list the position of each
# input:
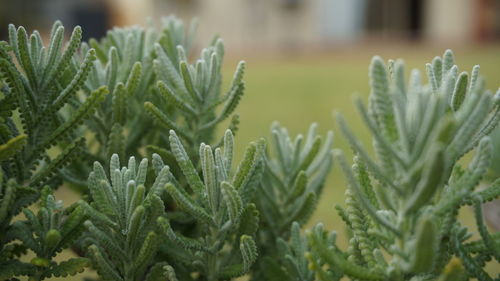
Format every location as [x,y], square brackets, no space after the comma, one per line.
[232,200]
[248,252]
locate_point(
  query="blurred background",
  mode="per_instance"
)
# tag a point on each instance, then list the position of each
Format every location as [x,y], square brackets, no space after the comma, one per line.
[280,25]
[305,57]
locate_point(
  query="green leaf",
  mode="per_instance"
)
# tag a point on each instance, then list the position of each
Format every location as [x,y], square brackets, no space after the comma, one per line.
[437,67]
[235,93]
[24,56]
[364,202]
[311,154]
[249,220]
[13,80]
[146,253]
[493,249]
[209,176]
[248,165]
[9,195]
[112,68]
[55,43]
[106,242]
[232,200]
[188,82]
[47,172]
[299,186]
[184,242]
[83,113]
[448,60]
[459,91]
[185,164]
[142,171]
[248,251]
[363,154]
[306,209]
[432,179]
[15,268]
[382,102]
[52,238]
[188,205]
[72,227]
[98,216]
[12,147]
[119,104]
[100,52]
[64,61]
[134,78]
[454,271]
[425,246]
[134,223]
[228,150]
[164,120]
[70,267]
[103,267]
[473,79]
[335,260]
[75,84]
[172,99]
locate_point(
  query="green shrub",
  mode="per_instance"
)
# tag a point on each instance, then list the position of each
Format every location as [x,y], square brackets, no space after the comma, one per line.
[405,202]
[193,214]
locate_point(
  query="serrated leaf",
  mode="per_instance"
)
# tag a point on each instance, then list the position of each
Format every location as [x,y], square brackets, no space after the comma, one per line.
[248,251]
[233,201]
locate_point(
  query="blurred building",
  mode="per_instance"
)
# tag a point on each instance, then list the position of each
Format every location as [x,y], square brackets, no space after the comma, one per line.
[279,24]
[297,23]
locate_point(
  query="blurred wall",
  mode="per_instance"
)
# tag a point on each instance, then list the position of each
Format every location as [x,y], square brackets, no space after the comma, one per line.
[450,20]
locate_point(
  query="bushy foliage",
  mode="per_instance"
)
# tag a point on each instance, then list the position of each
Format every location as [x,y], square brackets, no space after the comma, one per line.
[293,179]
[46,233]
[38,130]
[405,202]
[192,213]
[224,245]
[123,232]
[150,78]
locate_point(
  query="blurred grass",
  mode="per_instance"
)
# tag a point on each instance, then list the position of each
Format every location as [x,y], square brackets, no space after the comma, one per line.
[301,89]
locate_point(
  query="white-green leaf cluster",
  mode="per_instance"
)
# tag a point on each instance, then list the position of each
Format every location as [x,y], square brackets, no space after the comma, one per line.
[405,200]
[291,186]
[289,262]
[123,230]
[45,233]
[39,85]
[190,93]
[194,214]
[40,112]
[218,200]
[124,66]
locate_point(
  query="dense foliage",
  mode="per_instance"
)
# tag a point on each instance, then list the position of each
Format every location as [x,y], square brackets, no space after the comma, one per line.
[186,211]
[405,202]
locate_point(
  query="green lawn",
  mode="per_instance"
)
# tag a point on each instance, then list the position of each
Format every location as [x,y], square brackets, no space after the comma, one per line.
[302,89]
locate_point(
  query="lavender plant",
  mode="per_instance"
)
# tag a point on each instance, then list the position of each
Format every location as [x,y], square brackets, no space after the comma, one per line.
[123,233]
[224,246]
[405,201]
[292,183]
[38,124]
[193,215]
